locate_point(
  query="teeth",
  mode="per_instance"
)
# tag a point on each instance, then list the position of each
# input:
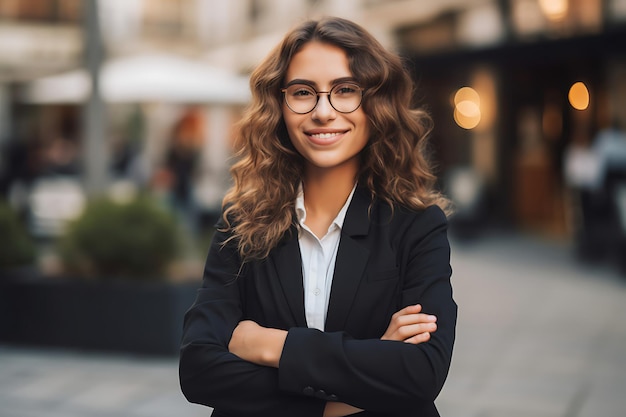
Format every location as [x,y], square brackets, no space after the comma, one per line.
[325,135]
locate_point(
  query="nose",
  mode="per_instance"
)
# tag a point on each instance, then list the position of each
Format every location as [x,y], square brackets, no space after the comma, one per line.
[323,110]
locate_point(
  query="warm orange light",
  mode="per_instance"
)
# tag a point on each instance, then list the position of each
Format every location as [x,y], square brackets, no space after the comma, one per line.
[554,9]
[467,108]
[466,122]
[579,96]
[466,94]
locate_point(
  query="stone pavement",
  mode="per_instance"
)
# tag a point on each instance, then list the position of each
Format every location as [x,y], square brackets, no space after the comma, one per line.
[54,383]
[539,335]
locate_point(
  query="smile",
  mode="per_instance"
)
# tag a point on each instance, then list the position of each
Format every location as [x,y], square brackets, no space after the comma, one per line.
[325,135]
[325,138]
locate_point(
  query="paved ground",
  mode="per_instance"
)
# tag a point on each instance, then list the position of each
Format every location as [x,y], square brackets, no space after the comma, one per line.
[539,335]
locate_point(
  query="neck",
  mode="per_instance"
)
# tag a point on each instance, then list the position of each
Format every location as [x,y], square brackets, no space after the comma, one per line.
[325,193]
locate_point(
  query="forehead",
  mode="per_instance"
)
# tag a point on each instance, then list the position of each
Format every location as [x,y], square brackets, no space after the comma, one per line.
[318,62]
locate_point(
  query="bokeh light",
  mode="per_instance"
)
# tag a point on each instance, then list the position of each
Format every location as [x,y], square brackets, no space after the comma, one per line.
[579,96]
[467,108]
[554,10]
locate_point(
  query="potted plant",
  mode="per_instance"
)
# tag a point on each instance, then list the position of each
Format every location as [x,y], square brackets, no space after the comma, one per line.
[17,249]
[114,294]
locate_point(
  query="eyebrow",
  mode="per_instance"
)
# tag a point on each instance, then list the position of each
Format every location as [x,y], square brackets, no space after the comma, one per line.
[314,84]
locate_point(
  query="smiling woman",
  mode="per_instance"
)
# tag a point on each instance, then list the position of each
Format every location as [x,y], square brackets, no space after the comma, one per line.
[328,139]
[326,289]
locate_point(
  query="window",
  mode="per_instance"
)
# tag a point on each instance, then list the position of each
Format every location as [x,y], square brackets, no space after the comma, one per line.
[41,10]
[164,17]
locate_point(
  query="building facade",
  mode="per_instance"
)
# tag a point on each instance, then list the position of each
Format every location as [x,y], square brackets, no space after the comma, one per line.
[511,63]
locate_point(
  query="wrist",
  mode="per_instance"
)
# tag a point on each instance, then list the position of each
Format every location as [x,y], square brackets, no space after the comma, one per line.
[271,346]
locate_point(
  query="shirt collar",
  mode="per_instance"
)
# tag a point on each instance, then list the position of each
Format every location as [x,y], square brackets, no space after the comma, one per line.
[300,209]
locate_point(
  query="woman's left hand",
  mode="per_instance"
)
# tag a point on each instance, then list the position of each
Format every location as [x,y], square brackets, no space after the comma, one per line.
[257,344]
[410,325]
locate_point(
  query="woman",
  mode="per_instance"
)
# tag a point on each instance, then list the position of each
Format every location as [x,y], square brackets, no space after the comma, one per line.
[326,289]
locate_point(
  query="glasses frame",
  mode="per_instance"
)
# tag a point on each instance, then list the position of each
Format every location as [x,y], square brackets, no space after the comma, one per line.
[317,95]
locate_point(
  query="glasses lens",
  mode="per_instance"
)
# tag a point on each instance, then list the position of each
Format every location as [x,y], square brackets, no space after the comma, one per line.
[300,98]
[346,97]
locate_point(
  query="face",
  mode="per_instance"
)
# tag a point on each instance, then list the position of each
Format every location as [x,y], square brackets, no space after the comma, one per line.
[326,138]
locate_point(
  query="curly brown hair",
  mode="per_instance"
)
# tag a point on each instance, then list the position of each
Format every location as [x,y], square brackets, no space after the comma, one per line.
[260,207]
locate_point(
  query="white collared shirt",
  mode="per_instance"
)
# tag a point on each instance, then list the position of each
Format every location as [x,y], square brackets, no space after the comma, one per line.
[318,261]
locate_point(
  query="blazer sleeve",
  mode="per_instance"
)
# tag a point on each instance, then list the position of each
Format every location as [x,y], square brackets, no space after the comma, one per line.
[377,375]
[209,373]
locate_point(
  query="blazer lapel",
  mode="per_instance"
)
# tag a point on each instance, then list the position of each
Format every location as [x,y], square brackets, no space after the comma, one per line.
[351,261]
[288,262]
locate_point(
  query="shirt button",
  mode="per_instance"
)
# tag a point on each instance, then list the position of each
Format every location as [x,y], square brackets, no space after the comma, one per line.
[317,291]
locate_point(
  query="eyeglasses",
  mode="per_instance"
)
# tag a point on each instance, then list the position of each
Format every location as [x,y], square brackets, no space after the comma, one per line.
[302,98]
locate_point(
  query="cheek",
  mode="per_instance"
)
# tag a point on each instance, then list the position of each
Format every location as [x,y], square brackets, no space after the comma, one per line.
[290,123]
[291,135]
[294,133]
[365,129]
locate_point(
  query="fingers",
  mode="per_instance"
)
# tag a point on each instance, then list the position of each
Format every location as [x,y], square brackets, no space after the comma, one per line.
[419,338]
[410,325]
[412,309]
[403,333]
[410,319]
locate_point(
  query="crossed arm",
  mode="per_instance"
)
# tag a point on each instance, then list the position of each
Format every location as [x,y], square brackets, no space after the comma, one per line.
[263,346]
[275,365]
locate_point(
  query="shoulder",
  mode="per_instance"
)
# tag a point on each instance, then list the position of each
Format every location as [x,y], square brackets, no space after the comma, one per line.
[367,209]
[401,216]
[403,226]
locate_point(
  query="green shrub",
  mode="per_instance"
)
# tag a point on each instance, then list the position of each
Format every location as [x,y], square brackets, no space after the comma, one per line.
[135,240]
[16,245]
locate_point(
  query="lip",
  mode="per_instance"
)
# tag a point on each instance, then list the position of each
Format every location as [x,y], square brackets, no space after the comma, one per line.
[325,137]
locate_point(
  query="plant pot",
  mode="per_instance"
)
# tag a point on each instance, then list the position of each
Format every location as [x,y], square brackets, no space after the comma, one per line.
[123,316]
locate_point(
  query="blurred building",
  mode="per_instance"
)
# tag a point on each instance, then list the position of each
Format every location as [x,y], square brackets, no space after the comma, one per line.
[151,74]
[495,74]
[522,61]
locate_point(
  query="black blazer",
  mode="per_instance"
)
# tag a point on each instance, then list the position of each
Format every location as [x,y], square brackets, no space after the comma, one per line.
[384,263]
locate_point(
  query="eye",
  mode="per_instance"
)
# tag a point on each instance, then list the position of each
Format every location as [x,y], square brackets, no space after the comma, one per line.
[346,89]
[300,91]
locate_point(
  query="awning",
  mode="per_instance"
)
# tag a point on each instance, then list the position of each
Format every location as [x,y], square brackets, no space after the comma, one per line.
[144,78]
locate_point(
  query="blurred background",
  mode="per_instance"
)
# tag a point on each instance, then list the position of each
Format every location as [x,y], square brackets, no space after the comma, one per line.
[116,122]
